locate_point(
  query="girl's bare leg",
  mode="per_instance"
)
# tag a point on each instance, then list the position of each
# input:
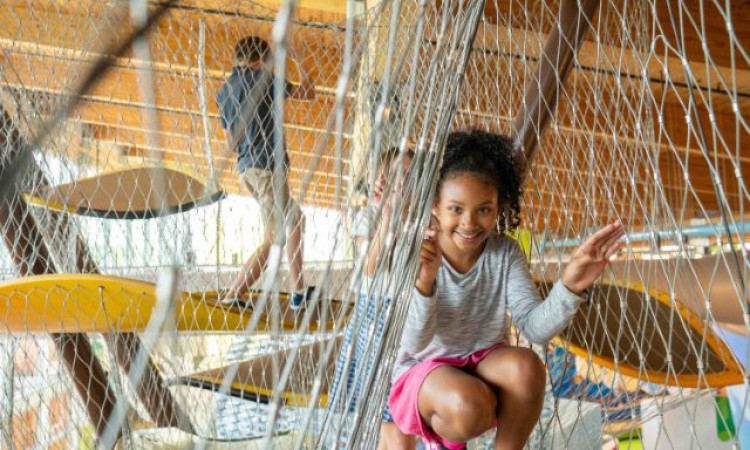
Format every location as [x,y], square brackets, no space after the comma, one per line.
[457,406]
[517,376]
[391,438]
[251,271]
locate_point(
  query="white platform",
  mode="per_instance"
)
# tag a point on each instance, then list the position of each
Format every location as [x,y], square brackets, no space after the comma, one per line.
[691,425]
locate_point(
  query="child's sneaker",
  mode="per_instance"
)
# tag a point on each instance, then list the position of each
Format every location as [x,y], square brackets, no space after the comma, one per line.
[236,303]
[298,300]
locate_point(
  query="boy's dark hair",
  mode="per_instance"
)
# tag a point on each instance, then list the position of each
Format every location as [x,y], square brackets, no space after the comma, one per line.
[250,49]
[386,159]
[390,155]
[490,157]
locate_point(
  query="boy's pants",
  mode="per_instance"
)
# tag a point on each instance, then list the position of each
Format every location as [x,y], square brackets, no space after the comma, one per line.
[260,184]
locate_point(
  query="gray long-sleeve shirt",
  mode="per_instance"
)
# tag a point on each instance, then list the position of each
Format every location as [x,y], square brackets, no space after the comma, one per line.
[467,313]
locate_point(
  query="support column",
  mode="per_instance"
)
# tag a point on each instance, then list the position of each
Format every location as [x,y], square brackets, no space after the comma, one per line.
[540,103]
[31,257]
[151,390]
[543,91]
[369,88]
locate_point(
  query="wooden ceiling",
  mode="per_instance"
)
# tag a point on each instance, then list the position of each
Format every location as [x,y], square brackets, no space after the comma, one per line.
[46,45]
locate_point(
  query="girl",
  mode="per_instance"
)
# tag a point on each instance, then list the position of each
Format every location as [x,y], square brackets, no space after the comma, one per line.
[455,378]
[364,330]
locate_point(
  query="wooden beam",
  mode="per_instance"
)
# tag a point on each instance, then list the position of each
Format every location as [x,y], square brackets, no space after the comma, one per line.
[30,253]
[691,18]
[302,144]
[180,101]
[543,91]
[579,118]
[173,42]
[54,27]
[332,9]
[306,12]
[175,94]
[508,43]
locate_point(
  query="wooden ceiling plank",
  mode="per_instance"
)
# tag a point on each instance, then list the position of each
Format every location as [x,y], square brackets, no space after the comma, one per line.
[175,93]
[501,40]
[173,43]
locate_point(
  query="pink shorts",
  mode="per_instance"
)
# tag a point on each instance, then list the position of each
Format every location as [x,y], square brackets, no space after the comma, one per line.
[405,393]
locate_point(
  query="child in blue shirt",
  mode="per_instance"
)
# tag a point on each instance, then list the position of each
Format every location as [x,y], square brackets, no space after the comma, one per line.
[248,115]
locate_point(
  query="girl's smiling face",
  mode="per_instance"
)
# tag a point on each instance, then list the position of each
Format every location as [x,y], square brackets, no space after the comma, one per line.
[467,209]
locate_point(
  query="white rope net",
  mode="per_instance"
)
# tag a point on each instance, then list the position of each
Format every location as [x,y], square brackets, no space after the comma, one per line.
[118,177]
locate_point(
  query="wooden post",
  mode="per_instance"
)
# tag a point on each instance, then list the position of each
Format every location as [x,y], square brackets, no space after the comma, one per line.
[543,91]
[31,257]
[151,390]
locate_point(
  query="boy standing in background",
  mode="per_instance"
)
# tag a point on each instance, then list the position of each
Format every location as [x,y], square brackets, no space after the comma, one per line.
[250,88]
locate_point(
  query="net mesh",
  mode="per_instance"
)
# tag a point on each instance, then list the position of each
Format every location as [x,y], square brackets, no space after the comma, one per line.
[162,347]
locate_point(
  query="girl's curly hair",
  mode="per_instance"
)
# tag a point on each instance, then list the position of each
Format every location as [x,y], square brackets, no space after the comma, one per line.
[490,157]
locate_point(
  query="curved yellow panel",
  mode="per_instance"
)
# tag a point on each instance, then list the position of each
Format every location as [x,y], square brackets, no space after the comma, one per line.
[646,335]
[643,334]
[85,303]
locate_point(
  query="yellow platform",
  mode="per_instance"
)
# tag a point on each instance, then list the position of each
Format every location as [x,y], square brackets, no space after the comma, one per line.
[255,378]
[83,303]
[590,336]
[639,333]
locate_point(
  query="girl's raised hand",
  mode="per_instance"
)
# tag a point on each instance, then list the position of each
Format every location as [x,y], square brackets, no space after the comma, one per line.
[589,260]
[430,258]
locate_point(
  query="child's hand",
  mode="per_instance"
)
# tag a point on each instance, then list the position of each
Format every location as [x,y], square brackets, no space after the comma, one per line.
[430,257]
[377,190]
[589,260]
